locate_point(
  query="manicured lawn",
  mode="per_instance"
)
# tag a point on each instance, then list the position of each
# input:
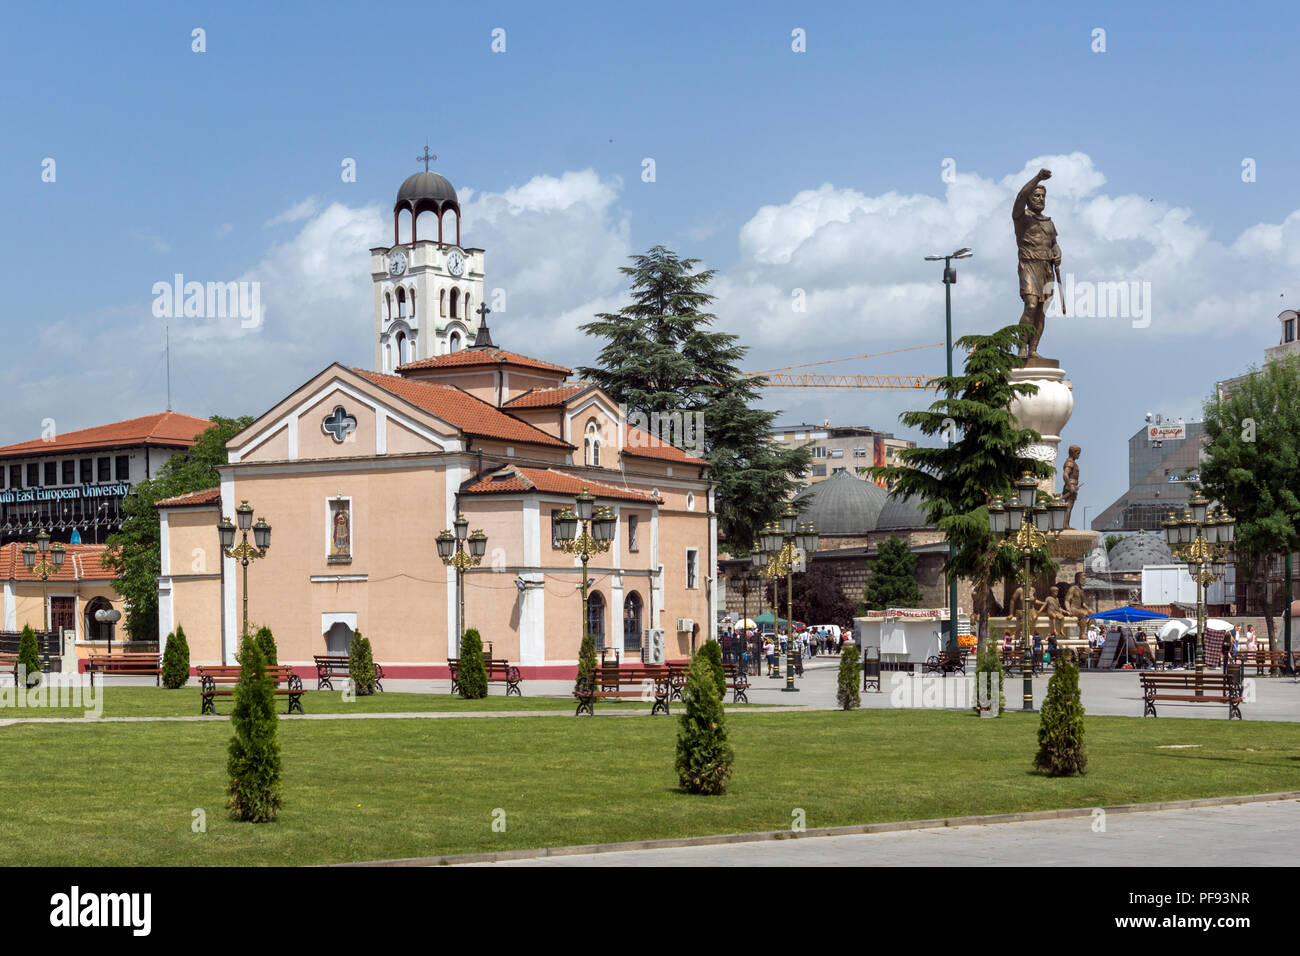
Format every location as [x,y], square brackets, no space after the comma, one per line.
[83,794]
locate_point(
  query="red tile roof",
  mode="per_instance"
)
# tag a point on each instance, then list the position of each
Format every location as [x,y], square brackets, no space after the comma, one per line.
[471,415]
[208,496]
[641,444]
[84,562]
[492,357]
[546,397]
[513,478]
[167,429]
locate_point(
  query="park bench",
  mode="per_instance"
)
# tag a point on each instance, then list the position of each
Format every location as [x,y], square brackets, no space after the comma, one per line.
[137,665]
[1181,688]
[1012,661]
[498,672]
[737,683]
[329,666]
[1272,660]
[219,680]
[642,682]
[947,662]
[9,663]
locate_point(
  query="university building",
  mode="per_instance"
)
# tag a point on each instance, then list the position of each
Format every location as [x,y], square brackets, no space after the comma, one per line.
[358,471]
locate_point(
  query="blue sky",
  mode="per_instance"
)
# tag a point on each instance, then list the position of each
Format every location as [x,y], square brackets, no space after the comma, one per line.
[817,170]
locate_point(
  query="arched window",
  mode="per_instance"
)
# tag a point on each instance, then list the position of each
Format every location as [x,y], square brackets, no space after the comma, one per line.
[455,341]
[401,348]
[442,303]
[401,302]
[596,619]
[412,303]
[455,298]
[97,630]
[388,306]
[591,445]
[469,314]
[632,624]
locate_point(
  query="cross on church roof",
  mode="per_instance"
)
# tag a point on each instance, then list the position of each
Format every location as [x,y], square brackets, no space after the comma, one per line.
[482,310]
[427,157]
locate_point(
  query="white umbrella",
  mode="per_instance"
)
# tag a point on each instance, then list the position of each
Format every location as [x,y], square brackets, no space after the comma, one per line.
[1176,628]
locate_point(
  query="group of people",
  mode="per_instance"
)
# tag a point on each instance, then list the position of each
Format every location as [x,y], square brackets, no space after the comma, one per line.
[746,648]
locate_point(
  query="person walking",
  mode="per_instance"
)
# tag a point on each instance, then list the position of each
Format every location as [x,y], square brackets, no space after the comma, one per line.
[769,649]
[1252,645]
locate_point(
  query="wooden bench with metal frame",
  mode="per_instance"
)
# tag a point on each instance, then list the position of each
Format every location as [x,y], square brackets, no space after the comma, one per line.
[133,664]
[1215,688]
[498,672]
[329,666]
[641,682]
[219,680]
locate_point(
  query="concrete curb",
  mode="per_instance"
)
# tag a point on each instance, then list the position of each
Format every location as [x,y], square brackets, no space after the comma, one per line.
[860,829]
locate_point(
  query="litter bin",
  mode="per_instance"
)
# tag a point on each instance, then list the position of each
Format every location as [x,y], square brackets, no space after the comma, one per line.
[871,669]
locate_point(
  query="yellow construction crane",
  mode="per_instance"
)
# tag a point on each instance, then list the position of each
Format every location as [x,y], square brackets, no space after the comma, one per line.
[783,378]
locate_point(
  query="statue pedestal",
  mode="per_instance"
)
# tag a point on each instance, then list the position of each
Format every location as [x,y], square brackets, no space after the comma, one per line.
[1046,411]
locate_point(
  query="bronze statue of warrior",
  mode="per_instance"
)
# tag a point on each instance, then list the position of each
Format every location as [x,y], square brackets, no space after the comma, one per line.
[1040,257]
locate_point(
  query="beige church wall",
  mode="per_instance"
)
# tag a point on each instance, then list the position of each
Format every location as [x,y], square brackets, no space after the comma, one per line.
[193,541]
[492,605]
[400,440]
[643,515]
[196,606]
[677,532]
[314,443]
[500,520]
[519,382]
[546,419]
[275,448]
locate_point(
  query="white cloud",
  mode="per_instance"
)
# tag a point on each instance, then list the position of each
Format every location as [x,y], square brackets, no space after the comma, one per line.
[296,213]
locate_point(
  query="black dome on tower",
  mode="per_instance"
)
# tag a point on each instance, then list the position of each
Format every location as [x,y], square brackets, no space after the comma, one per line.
[426,187]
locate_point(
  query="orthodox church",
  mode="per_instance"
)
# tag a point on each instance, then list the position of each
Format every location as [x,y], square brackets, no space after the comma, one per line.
[358,471]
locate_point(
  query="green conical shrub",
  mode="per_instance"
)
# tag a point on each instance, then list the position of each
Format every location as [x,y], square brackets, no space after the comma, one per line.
[29,656]
[472,676]
[266,642]
[586,659]
[848,694]
[361,666]
[704,756]
[712,653]
[988,661]
[1060,731]
[176,660]
[254,755]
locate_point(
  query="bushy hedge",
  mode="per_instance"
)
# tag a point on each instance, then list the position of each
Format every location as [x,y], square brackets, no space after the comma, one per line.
[1060,731]
[254,754]
[472,673]
[361,665]
[704,756]
[176,660]
[847,694]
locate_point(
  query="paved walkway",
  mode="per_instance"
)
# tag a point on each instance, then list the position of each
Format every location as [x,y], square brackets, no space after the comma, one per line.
[1265,834]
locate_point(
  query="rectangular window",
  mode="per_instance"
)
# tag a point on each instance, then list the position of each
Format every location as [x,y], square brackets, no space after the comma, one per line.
[836,471]
[15,476]
[1290,330]
[819,451]
[33,476]
[837,452]
[87,476]
[631,532]
[69,472]
[819,471]
[51,473]
[859,453]
[123,467]
[104,469]
[691,561]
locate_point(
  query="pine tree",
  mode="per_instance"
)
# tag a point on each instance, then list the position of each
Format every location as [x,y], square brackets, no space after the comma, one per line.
[661,357]
[712,652]
[989,662]
[361,666]
[586,660]
[1060,731]
[848,694]
[472,673]
[176,660]
[266,641]
[893,576]
[704,757]
[29,656]
[957,482]
[254,757]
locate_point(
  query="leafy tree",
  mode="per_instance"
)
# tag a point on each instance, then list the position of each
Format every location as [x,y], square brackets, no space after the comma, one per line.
[1060,731]
[586,659]
[29,656]
[661,357]
[819,598]
[712,652]
[1112,540]
[176,660]
[989,661]
[1252,468]
[893,576]
[361,665]
[704,757]
[266,641]
[957,482]
[847,693]
[134,552]
[472,673]
[254,757]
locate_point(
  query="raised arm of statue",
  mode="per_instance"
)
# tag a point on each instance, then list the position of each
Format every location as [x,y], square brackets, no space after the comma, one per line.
[1022,197]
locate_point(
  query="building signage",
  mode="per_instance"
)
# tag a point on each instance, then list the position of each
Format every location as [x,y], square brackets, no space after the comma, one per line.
[1168,432]
[21,495]
[1192,477]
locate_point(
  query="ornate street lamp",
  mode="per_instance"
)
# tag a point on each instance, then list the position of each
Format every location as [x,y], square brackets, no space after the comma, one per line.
[781,543]
[598,526]
[1204,541]
[42,561]
[462,551]
[245,552]
[1024,523]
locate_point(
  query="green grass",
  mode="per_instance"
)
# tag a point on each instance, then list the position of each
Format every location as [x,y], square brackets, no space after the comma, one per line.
[123,794]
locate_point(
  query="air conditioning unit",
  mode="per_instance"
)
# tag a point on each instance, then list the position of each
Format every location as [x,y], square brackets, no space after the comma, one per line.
[657,652]
[685,625]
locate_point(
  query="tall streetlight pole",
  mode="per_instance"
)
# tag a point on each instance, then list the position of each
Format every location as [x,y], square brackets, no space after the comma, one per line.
[1022,522]
[949,280]
[782,542]
[244,552]
[51,559]
[1204,541]
[758,561]
[595,538]
[461,551]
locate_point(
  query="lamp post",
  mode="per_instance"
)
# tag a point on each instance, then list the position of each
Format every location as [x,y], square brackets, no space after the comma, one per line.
[949,280]
[462,551]
[245,552]
[782,542]
[1024,523]
[1204,541]
[758,562]
[51,557]
[595,538]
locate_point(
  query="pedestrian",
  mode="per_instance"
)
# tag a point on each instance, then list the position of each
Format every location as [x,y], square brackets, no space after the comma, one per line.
[1252,646]
[769,649]
[1051,647]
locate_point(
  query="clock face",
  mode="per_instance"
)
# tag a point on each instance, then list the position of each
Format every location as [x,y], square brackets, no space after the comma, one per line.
[455,264]
[397,263]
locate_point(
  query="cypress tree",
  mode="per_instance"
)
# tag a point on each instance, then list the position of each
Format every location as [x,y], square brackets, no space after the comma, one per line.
[586,659]
[847,694]
[1060,731]
[711,652]
[893,576]
[254,755]
[704,756]
[176,660]
[29,656]
[472,676]
[988,661]
[361,666]
[266,642]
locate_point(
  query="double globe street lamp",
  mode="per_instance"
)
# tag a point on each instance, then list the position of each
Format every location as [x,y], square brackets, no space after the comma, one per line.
[245,552]
[1024,523]
[598,525]
[51,559]
[1204,541]
[781,543]
[461,550]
